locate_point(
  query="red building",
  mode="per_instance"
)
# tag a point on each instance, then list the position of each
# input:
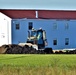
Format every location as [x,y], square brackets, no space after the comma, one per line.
[42,14]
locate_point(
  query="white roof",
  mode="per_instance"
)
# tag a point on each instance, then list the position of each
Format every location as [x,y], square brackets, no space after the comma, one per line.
[38,4]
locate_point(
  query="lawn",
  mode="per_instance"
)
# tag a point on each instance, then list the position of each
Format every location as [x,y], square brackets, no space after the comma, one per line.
[37,64]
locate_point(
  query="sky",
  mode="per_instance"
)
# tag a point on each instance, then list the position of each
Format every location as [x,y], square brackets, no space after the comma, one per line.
[38,4]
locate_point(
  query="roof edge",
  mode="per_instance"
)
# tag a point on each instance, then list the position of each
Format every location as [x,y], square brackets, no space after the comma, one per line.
[40,9]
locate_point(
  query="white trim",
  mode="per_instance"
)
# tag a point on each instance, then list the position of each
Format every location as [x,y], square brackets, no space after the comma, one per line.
[36,14]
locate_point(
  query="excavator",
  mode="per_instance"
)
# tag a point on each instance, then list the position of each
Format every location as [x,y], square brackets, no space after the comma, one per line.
[36,39]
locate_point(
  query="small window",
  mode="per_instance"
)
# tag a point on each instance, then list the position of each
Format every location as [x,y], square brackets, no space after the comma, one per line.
[66,41]
[66,26]
[30,25]
[55,26]
[55,42]
[17,26]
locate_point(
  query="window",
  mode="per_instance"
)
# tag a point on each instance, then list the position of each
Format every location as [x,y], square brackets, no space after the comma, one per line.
[66,41]
[55,26]
[55,42]
[17,26]
[66,26]
[30,25]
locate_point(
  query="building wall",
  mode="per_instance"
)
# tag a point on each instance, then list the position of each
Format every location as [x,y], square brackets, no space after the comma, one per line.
[5,29]
[55,30]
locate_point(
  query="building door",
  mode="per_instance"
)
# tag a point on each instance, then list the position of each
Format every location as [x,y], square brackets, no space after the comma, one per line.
[4,32]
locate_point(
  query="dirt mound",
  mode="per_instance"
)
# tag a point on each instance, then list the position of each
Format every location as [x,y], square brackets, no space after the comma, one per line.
[3,49]
[17,49]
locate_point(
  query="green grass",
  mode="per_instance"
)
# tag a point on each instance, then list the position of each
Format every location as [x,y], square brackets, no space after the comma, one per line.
[33,64]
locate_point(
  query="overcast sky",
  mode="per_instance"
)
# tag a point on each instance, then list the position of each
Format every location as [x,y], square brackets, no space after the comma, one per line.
[38,4]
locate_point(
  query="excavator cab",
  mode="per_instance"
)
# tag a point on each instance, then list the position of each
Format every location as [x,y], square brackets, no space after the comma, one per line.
[37,37]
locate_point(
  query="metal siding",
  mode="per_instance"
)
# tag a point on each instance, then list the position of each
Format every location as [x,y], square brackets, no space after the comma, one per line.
[48,14]
[60,34]
[16,14]
[57,14]
[21,34]
[5,29]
